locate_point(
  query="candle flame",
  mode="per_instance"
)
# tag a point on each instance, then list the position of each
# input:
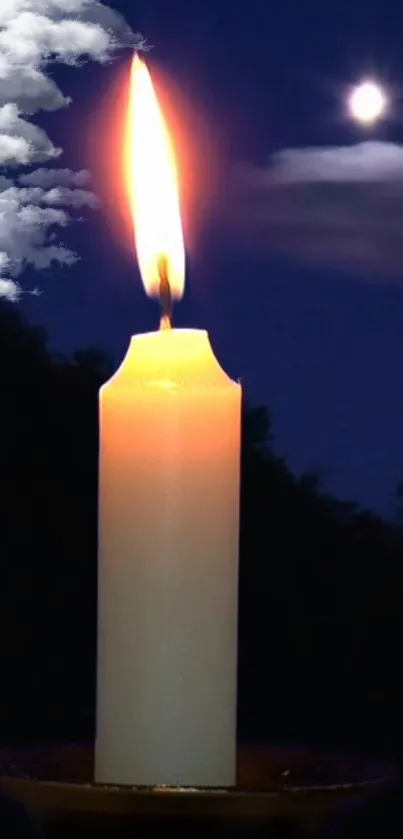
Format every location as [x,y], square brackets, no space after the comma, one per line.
[153,187]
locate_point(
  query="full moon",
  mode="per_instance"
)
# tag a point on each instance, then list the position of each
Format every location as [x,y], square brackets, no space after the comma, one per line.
[367,103]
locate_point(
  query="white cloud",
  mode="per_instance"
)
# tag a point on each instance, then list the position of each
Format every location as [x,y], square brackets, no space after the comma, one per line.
[30,88]
[10,290]
[34,33]
[30,37]
[370,161]
[21,142]
[342,207]
[46,178]
[57,196]
[24,233]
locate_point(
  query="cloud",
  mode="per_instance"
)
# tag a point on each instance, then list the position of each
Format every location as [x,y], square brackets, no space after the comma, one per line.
[5,182]
[8,288]
[21,142]
[58,196]
[33,35]
[47,178]
[341,206]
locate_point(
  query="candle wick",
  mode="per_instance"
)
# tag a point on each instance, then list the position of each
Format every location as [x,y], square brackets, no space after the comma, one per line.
[165,294]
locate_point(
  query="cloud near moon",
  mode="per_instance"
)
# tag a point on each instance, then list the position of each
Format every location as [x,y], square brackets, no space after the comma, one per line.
[341,207]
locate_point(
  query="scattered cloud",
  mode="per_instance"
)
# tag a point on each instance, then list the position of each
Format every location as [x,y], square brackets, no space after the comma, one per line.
[58,196]
[33,35]
[340,206]
[21,142]
[48,178]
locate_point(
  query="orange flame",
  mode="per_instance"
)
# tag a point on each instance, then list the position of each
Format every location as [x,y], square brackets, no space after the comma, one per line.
[153,187]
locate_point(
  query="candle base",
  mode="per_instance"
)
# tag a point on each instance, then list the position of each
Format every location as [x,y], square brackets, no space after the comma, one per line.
[277,789]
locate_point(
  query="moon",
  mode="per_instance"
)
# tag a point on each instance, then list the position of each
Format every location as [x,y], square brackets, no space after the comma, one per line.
[367,103]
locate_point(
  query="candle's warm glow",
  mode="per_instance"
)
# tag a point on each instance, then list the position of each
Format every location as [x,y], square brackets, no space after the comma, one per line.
[170,425]
[153,186]
[168,532]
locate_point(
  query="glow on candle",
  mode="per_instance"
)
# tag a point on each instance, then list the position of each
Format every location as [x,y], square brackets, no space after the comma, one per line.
[168,515]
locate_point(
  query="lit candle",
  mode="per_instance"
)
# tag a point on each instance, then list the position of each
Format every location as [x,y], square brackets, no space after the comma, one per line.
[168,516]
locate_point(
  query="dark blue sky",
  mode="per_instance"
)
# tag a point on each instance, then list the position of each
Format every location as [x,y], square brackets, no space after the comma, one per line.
[323,351]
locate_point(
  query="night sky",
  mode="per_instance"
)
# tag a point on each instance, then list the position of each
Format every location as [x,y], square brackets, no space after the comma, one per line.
[300,285]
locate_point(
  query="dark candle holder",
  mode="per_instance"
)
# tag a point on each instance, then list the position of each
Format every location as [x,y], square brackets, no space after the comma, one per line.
[294,791]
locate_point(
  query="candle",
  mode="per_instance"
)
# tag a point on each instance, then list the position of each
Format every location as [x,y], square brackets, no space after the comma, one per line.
[168,522]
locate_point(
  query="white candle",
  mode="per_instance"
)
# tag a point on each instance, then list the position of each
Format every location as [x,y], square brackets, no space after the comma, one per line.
[168,565]
[168,514]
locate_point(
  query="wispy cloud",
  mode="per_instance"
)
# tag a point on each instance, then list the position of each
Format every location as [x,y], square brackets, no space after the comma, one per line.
[34,34]
[21,142]
[48,178]
[340,206]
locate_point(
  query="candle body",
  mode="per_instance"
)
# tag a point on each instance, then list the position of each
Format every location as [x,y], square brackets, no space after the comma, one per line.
[168,565]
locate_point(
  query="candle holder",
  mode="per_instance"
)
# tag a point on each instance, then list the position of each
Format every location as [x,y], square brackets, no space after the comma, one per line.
[293,791]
